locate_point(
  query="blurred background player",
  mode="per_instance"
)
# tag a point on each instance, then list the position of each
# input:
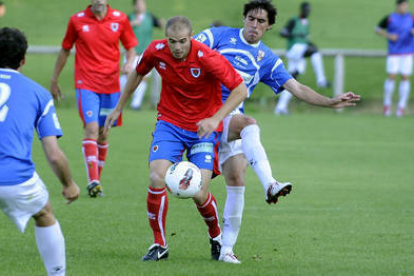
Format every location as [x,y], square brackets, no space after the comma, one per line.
[240,142]
[299,47]
[398,28]
[143,24]
[25,106]
[190,112]
[96,32]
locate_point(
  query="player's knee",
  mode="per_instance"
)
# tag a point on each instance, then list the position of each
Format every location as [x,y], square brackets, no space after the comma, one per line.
[405,78]
[91,131]
[392,77]
[235,179]
[45,216]
[157,180]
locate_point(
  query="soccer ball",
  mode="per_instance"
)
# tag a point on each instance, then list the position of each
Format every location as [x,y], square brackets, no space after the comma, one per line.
[183,179]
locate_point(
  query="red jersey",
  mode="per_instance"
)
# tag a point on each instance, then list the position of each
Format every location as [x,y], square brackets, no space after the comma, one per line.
[191,88]
[97,48]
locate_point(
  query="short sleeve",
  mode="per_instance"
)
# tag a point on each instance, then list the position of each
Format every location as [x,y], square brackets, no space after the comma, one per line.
[70,36]
[47,124]
[277,76]
[128,38]
[146,60]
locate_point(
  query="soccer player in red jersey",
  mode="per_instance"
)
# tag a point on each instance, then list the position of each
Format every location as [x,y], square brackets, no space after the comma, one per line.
[96,32]
[189,119]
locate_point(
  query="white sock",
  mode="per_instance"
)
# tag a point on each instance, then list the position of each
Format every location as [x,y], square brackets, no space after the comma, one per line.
[317,63]
[51,245]
[139,95]
[404,88]
[388,91]
[232,217]
[283,103]
[256,155]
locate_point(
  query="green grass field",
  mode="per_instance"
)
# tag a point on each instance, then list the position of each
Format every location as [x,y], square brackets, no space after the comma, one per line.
[350,213]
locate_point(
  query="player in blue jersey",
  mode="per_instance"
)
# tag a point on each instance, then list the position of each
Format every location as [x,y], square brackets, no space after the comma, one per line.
[24,107]
[398,28]
[240,142]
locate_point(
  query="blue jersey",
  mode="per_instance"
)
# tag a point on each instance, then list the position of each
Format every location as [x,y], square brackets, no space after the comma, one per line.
[254,62]
[24,106]
[401,25]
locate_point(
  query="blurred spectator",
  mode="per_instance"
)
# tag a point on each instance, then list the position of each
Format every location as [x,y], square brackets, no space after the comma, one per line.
[398,29]
[143,24]
[2,9]
[299,47]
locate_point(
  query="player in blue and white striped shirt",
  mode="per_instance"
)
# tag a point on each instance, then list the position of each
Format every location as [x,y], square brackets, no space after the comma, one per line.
[26,106]
[241,136]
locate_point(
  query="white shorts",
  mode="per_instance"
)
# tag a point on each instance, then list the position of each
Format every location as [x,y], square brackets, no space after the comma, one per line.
[20,202]
[296,60]
[228,149]
[402,64]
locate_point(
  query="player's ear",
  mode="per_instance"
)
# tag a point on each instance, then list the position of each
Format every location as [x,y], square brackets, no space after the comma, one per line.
[22,62]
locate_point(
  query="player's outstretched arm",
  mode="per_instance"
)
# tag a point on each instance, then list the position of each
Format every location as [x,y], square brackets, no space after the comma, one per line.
[236,97]
[308,95]
[128,67]
[60,166]
[134,80]
[54,82]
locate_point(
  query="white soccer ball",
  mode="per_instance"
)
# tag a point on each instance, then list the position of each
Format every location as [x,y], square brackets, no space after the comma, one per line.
[183,179]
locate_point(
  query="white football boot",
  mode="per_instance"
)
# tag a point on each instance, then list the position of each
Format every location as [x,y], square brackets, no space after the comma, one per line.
[276,190]
[229,257]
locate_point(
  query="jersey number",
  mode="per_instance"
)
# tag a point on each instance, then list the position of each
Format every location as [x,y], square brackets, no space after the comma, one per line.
[4,96]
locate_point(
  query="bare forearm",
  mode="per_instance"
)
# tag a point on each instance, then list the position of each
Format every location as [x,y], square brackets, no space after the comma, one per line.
[60,63]
[307,94]
[133,81]
[236,97]
[60,167]
[130,55]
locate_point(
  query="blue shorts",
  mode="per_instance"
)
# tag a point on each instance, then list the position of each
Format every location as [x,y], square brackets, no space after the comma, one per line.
[169,143]
[94,107]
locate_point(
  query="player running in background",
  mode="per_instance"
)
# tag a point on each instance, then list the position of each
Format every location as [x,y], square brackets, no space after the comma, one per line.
[25,106]
[143,24]
[96,32]
[190,112]
[240,143]
[299,47]
[398,28]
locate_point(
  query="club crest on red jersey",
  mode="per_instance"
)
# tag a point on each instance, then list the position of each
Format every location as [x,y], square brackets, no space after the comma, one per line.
[195,72]
[114,27]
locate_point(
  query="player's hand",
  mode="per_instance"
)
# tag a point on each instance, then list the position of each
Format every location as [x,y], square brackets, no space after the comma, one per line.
[393,37]
[110,120]
[55,90]
[207,126]
[71,192]
[345,100]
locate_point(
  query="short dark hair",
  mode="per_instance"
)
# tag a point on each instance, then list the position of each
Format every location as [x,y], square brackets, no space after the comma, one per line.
[1,3]
[178,22]
[13,46]
[401,1]
[261,4]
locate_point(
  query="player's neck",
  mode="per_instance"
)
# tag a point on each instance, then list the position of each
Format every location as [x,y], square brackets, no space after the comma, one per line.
[102,14]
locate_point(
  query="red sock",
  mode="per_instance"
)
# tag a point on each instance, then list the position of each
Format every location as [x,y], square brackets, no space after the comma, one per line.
[208,211]
[102,151]
[90,154]
[157,206]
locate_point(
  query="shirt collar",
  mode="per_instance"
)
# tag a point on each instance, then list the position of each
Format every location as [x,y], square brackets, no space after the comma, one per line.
[9,70]
[255,45]
[89,12]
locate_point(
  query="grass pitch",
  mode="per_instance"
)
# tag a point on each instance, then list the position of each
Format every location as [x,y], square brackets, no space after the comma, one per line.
[350,212]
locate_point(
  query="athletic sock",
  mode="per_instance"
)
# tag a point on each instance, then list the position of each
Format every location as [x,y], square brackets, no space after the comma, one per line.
[102,151]
[256,155]
[283,103]
[139,95]
[157,206]
[404,90]
[317,63]
[90,154]
[389,86]
[208,211]
[51,246]
[232,217]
